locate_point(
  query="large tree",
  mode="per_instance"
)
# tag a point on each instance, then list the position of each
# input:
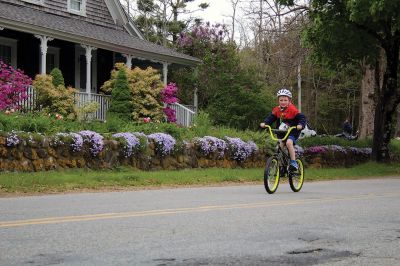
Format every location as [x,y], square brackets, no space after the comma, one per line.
[230,94]
[161,21]
[345,30]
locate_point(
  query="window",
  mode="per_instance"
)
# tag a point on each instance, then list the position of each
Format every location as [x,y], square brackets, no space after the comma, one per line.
[52,58]
[8,51]
[77,6]
[5,54]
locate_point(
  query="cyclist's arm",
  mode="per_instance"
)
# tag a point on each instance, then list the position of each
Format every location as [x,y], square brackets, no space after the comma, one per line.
[301,120]
[270,119]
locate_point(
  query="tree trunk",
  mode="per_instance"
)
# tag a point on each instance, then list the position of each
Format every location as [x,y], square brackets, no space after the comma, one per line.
[387,102]
[368,85]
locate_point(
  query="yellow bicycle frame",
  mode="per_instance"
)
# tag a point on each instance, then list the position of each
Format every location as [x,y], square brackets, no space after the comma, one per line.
[273,136]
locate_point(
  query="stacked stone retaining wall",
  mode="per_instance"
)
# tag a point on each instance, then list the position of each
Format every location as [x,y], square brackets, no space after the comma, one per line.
[30,157]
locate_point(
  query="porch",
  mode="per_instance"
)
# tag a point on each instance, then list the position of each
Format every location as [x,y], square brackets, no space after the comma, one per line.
[184,113]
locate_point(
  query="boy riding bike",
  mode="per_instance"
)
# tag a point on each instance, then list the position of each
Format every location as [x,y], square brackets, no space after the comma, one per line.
[287,115]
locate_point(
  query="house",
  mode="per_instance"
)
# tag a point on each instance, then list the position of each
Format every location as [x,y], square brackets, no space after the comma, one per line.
[83,38]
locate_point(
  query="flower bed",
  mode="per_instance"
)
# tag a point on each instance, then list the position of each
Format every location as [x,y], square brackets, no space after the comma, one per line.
[335,156]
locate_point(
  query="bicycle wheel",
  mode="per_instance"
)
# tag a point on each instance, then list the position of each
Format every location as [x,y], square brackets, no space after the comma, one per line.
[271,175]
[296,178]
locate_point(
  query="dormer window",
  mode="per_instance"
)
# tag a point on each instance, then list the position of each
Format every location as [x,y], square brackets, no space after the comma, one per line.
[77,6]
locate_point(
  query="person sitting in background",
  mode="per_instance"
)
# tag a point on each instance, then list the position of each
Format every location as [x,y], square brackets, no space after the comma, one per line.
[347,131]
[347,128]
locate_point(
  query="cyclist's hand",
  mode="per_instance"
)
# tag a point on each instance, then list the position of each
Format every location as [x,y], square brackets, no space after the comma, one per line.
[299,127]
[262,125]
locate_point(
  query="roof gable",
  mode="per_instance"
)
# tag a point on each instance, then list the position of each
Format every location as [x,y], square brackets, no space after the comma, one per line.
[120,17]
[105,13]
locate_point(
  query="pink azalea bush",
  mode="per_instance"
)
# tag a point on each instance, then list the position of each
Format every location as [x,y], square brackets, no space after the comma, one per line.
[169,96]
[13,87]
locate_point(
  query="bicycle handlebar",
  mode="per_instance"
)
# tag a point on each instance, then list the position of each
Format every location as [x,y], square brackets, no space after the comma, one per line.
[276,131]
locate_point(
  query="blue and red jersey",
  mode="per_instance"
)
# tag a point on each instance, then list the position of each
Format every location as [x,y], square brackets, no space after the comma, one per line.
[289,115]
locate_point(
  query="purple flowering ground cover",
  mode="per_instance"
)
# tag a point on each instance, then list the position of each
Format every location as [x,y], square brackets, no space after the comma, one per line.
[336,156]
[234,148]
[211,145]
[240,150]
[95,141]
[164,143]
[131,142]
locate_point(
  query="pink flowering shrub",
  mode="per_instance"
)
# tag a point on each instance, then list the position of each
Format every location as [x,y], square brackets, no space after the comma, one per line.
[13,86]
[171,114]
[169,93]
[169,96]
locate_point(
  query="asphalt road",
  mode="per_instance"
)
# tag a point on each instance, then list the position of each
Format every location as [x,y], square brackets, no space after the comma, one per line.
[327,223]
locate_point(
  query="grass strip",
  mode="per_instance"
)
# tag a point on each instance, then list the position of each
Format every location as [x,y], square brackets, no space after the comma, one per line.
[128,178]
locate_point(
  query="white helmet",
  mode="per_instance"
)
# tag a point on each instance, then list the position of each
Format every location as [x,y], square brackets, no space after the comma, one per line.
[284,92]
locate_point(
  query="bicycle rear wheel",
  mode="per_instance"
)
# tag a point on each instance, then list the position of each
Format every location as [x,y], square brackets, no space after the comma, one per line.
[271,175]
[296,178]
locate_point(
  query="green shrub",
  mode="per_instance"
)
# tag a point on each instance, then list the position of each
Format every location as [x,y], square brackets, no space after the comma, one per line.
[146,87]
[35,123]
[202,124]
[394,147]
[332,140]
[115,124]
[54,100]
[8,121]
[58,78]
[121,97]
[83,113]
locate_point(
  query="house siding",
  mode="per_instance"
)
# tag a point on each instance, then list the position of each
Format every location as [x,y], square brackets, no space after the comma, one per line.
[96,11]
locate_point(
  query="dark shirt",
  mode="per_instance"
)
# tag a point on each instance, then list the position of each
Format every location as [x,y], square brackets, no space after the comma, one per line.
[347,127]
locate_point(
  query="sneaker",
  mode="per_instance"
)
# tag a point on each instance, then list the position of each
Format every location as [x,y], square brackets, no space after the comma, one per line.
[293,165]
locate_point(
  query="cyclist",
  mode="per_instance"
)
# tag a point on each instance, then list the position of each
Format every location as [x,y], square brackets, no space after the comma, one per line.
[287,115]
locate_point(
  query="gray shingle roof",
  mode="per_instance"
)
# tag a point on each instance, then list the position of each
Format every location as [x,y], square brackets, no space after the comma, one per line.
[71,29]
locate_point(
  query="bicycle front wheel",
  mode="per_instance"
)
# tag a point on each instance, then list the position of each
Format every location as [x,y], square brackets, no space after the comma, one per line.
[296,178]
[271,175]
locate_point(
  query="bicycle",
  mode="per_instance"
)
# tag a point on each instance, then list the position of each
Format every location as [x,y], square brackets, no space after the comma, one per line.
[277,165]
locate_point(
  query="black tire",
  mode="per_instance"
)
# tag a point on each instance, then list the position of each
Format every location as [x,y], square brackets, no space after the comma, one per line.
[271,175]
[296,178]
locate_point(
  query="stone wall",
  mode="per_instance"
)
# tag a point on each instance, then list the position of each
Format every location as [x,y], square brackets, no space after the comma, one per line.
[29,157]
[42,156]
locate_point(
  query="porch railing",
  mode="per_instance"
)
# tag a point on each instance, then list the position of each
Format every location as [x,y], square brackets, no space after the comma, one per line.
[184,113]
[81,98]
[28,104]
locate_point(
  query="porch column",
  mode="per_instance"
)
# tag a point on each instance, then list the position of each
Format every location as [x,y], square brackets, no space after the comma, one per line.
[195,100]
[43,51]
[165,72]
[128,60]
[88,50]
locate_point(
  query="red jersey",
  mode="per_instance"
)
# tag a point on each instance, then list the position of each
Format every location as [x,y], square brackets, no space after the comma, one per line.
[288,114]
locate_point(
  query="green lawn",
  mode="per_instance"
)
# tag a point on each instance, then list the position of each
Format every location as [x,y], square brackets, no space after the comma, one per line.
[127,178]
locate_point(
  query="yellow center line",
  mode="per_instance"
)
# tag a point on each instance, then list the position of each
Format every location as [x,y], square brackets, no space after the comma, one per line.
[104,216]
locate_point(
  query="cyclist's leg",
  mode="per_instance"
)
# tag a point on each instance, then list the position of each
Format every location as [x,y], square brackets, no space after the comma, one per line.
[290,146]
[292,154]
